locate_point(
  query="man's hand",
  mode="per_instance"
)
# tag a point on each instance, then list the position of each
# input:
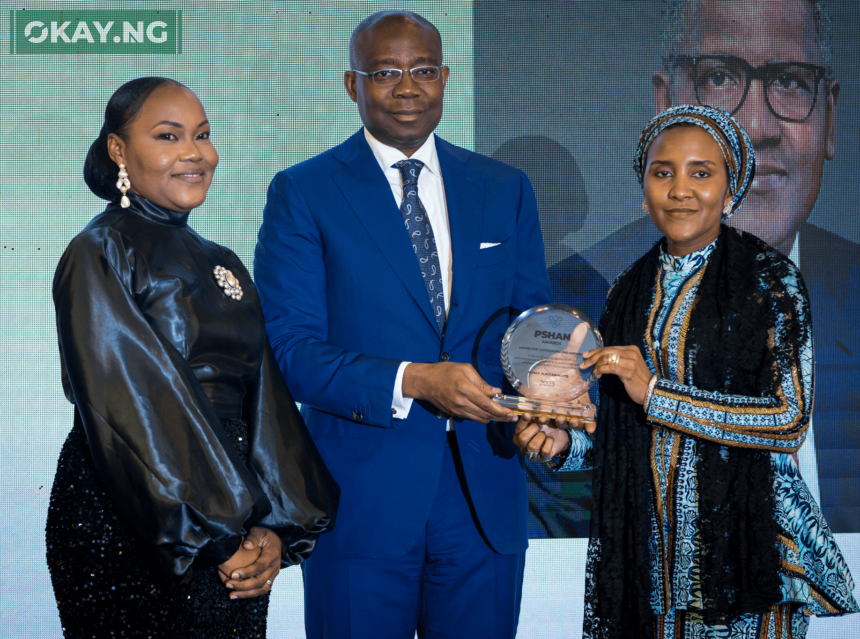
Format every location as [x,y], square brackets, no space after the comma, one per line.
[256,578]
[456,389]
[541,437]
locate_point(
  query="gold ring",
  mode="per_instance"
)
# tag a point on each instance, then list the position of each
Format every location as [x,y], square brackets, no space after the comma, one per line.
[614,359]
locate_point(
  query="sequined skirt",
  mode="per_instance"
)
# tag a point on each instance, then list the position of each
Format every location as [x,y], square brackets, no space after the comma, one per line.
[107,582]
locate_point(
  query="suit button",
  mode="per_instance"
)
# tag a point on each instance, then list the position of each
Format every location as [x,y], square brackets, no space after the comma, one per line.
[444,357]
[357,416]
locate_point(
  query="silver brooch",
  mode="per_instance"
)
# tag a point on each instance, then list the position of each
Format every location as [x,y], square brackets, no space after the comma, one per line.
[228,282]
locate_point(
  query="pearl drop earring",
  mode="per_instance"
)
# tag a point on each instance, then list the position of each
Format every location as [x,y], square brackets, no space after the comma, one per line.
[123,184]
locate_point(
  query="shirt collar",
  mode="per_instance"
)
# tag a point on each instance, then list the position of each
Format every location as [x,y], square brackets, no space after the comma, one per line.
[686,263]
[794,254]
[387,156]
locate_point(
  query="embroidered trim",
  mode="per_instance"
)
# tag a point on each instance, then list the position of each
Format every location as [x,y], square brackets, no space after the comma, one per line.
[720,440]
[794,569]
[788,543]
[679,303]
[658,496]
[671,469]
[745,408]
[649,330]
[821,599]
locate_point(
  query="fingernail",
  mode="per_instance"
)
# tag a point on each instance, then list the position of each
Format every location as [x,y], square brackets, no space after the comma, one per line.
[236,575]
[229,586]
[234,596]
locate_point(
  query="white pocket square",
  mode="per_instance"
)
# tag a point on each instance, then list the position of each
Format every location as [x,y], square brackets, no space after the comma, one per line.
[489,244]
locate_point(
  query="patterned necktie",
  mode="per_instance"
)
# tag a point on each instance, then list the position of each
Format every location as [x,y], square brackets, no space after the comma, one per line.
[422,238]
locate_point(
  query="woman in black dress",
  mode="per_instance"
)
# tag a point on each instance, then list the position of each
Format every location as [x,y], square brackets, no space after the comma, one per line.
[189,478]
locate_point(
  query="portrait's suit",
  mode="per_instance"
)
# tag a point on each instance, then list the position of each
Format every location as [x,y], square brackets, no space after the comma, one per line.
[830,266]
[345,303]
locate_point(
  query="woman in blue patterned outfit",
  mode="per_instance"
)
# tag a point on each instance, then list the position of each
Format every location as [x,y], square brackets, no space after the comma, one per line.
[702,525]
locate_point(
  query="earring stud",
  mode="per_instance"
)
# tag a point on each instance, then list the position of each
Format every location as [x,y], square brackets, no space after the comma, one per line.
[727,209]
[123,184]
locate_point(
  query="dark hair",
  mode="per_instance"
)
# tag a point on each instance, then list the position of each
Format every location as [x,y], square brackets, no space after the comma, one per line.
[381,16]
[100,171]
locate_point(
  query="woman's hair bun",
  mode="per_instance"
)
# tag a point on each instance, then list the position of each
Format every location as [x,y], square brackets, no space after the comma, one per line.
[100,171]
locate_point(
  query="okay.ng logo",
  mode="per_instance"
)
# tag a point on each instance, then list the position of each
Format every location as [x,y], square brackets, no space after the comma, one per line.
[95,31]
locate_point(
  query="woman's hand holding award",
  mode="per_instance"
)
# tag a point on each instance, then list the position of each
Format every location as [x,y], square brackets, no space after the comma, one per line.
[540,355]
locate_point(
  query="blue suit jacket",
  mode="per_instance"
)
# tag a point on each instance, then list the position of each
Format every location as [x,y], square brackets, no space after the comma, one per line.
[830,265]
[345,303]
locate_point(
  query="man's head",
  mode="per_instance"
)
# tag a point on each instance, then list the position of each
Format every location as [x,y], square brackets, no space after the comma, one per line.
[404,114]
[767,61]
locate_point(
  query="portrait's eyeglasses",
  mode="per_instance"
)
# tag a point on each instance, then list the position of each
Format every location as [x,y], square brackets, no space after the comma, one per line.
[790,88]
[389,77]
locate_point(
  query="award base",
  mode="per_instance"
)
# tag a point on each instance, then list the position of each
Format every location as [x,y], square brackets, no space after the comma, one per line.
[519,405]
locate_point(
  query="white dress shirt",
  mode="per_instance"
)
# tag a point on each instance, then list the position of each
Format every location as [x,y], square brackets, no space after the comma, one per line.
[431,191]
[806,460]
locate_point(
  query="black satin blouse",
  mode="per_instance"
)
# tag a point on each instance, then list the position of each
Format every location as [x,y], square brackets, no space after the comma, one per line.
[154,356]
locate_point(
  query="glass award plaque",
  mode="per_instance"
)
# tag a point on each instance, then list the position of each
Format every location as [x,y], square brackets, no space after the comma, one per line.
[540,355]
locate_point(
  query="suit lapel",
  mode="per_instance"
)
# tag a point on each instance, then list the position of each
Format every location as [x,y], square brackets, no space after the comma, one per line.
[369,195]
[464,199]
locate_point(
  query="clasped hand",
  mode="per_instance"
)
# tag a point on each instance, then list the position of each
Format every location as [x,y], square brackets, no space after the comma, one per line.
[252,569]
[541,437]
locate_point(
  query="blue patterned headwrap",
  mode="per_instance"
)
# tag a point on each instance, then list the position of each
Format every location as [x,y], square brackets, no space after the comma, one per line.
[734,142]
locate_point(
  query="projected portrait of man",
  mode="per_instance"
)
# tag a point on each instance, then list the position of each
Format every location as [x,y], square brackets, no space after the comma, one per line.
[770,64]
[563,208]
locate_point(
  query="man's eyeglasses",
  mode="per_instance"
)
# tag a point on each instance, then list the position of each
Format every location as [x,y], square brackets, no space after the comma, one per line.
[790,88]
[390,77]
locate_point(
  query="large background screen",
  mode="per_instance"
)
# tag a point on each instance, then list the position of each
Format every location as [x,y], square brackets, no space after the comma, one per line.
[559,89]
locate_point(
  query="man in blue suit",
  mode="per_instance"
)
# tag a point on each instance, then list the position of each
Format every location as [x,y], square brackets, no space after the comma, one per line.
[378,263]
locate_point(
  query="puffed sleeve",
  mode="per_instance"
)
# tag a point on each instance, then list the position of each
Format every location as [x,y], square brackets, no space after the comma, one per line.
[156,442]
[288,466]
[778,419]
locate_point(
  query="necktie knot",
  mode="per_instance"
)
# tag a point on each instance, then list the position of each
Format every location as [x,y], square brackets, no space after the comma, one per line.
[409,171]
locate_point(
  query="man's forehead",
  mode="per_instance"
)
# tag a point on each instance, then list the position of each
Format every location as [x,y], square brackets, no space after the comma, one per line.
[404,42]
[757,30]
